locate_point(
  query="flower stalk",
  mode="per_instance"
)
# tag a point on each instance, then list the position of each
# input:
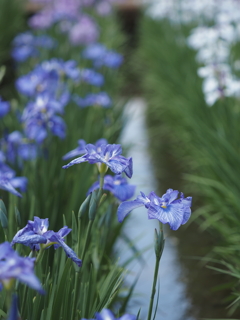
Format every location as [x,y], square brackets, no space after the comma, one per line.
[159,246]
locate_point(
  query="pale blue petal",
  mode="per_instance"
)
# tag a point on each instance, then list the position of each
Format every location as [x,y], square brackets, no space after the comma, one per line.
[126,207]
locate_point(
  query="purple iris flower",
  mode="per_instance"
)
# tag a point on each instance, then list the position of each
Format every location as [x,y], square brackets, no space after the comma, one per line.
[93,99]
[108,315]
[9,181]
[40,117]
[12,266]
[85,31]
[4,108]
[167,209]
[107,154]
[81,148]
[36,232]
[117,185]
[92,77]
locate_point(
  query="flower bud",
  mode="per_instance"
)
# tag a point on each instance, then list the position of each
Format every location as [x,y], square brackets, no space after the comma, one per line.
[83,207]
[93,205]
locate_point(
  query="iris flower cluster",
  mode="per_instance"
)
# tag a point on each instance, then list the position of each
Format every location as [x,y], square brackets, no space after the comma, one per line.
[18,148]
[167,209]
[12,266]
[26,45]
[100,99]
[101,56]
[47,77]
[36,235]
[41,117]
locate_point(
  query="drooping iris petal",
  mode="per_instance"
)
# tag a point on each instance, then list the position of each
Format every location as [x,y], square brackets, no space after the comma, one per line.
[126,207]
[12,266]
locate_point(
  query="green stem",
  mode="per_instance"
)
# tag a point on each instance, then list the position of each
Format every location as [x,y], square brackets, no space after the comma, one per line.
[159,246]
[153,287]
[101,182]
[40,254]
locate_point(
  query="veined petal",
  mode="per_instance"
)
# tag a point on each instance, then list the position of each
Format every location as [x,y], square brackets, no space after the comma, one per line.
[73,153]
[126,207]
[69,252]
[76,161]
[173,214]
[129,169]
[28,239]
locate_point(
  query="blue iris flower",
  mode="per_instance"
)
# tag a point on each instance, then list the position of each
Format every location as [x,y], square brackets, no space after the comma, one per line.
[81,148]
[36,233]
[101,56]
[108,315]
[40,118]
[18,148]
[108,155]
[8,179]
[101,99]
[12,266]
[4,108]
[117,185]
[167,209]
[26,45]
[48,77]
[91,77]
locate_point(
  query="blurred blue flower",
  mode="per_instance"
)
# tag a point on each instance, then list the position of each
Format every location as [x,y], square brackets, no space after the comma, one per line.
[36,232]
[117,185]
[8,179]
[93,99]
[48,77]
[91,77]
[81,148]
[4,108]
[18,148]
[108,155]
[40,118]
[167,209]
[101,56]
[94,51]
[12,266]
[108,315]
[26,45]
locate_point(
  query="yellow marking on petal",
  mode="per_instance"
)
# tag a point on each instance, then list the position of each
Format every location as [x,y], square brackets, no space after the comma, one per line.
[164,207]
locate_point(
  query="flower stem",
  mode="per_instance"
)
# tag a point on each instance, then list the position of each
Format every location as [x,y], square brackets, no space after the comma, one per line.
[40,254]
[159,246]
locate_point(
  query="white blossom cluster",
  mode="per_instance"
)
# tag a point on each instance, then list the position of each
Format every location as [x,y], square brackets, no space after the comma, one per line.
[218,30]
